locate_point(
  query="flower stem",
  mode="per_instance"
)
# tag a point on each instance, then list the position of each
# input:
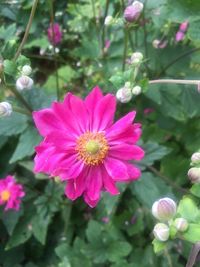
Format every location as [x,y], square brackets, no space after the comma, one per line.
[193,255]
[27,30]
[54,49]
[173,81]
[125,48]
[103,29]
[169,260]
[22,111]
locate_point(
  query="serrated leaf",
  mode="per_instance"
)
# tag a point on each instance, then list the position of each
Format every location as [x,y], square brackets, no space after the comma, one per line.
[188,209]
[195,190]
[10,67]
[158,246]
[27,142]
[193,233]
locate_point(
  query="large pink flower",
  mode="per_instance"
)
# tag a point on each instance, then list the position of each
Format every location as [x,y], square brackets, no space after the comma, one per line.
[10,193]
[84,147]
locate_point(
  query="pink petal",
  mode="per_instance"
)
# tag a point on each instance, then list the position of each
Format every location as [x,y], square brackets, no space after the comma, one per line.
[69,169]
[91,203]
[116,169]
[104,113]
[75,187]
[91,100]
[133,172]
[126,152]
[46,121]
[62,140]
[94,183]
[120,126]
[108,183]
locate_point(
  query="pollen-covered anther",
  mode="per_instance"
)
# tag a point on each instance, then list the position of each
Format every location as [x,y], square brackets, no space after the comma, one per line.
[92,148]
[5,195]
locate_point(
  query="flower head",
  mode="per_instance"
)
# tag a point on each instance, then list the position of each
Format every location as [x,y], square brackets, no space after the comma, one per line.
[10,193]
[84,147]
[132,12]
[54,34]
[164,209]
[5,109]
[161,232]
[24,82]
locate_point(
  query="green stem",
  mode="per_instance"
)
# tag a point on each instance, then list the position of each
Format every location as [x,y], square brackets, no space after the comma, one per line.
[169,260]
[103,29]
[177,59]
[54,49]
[21,99]
[125,48]
[193,255]
[20,110]
[27,30]
[174,81]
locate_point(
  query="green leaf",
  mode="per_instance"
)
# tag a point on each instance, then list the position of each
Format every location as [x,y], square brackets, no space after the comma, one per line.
[158,246]
[10,67]
[10,219]
[195,190]
[93,231]
[40,225]
[27,141]
[117,250]
[193,233]
[150,188]
[13,125]
[188,209]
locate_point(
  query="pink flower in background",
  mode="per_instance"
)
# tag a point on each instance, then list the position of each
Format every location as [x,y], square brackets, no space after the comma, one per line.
[10,193]
[132,12]
[84,147]
[107,44]
[159,44]
[180,35]
[57,36]
[148,111]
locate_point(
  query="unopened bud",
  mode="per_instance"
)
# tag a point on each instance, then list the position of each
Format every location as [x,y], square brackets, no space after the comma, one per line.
[132,13]
[194,175]
[181,224]
[184,26]
[195,158]
[161,232]
[164,209]
[136,90]
[5,109]
[26,70]
[124,95]
[158,44]
[136,58]
[24,82]
[108,20]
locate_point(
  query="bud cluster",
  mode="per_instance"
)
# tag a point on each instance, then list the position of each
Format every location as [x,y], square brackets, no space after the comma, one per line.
[24,82]
[165,210]
[194,172]
[124,94]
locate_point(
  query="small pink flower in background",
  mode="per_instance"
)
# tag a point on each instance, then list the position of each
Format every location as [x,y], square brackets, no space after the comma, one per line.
[180,35]
[11,193]
[159,44]
[54,34]
[132,12]
[84,147]
[105,219]
[106,46]
[148,111]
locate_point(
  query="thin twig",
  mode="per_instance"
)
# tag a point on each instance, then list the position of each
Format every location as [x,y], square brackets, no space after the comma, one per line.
[174,81]
[193,254]
[27,30]
[103,29]
[21,99]
[169,260]
[177,59]
[166,179]
[125,48]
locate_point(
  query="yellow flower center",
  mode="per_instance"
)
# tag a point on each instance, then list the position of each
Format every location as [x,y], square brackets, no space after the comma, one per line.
[92,148]
[5,195]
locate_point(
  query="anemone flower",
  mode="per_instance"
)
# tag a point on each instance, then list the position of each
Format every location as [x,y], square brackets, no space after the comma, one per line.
[84,147]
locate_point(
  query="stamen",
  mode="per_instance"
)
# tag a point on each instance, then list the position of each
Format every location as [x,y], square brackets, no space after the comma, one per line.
[92,148]
[5,195]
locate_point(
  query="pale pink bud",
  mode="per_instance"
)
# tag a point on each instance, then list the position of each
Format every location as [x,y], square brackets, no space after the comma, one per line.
[26,70]
[5,109]
[164,209]
[124,94]
[159,44]
[108,20]
[105,219]
[181,224]
[132,13]
[136,90]
[161,232]
[195,157]
[24,82]
[194,175]
[136,58]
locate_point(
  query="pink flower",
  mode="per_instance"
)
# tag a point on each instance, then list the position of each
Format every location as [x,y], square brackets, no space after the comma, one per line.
[57,36]
[132,12]
[10,193]
[84,147]
[148,111]
[180,36]
[184,26]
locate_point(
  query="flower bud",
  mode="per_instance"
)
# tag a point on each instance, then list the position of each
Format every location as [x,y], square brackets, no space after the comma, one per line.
[184,26]
[158,44]
[181,224]
[136,90]
[179,36]
[195,157]
[164,209]
[136,58]
[24,82]
[194,175]
[5,109]
[26,70]
[108,20]
[132,13]
[161,232]
[124,95]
